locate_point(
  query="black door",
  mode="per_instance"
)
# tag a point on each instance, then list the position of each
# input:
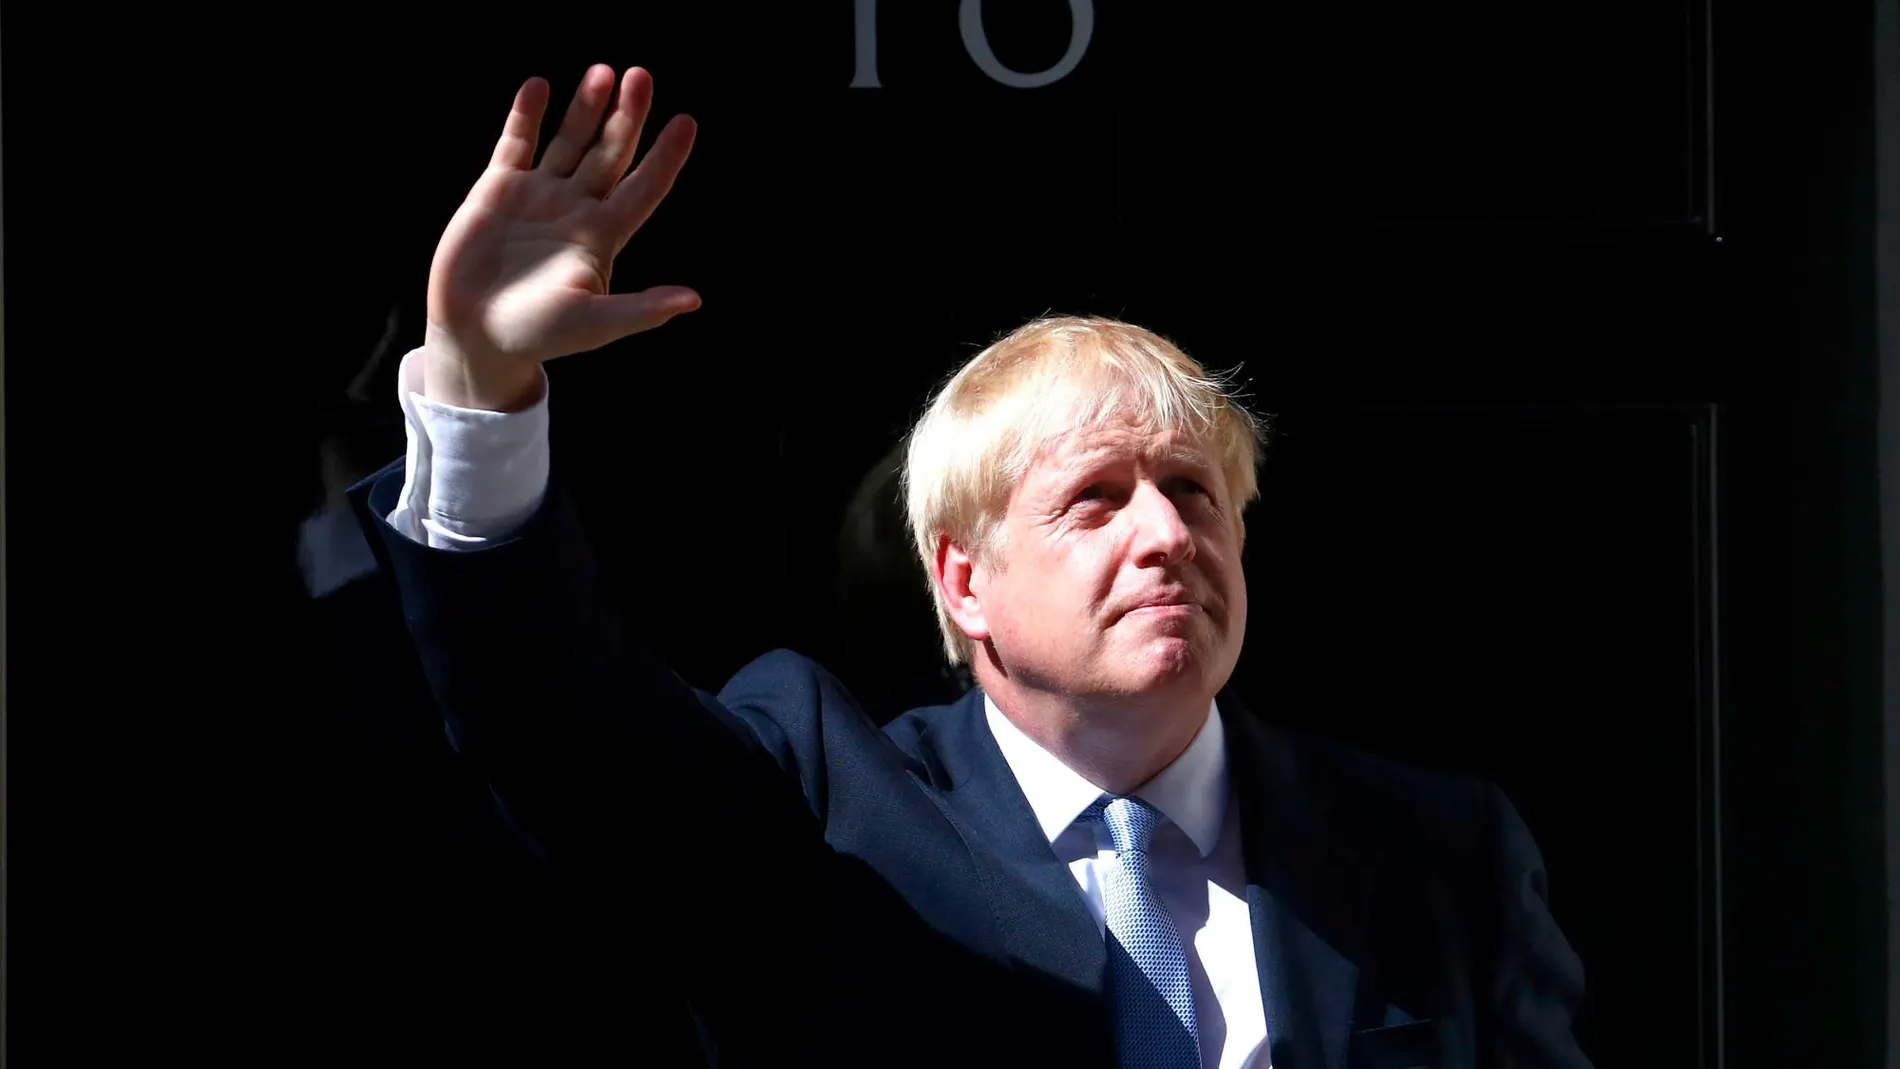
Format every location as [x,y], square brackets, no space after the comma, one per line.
[1563,315]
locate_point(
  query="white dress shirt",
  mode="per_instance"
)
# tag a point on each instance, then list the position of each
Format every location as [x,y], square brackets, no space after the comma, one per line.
[1194,862]
[471,477]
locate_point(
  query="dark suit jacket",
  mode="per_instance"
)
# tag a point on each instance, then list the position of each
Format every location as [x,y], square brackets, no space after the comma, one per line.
[829,891]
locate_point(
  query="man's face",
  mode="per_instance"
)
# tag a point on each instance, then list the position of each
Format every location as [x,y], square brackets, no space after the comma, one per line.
[1116,573]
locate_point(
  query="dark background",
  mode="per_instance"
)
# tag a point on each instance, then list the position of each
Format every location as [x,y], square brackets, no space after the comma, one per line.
[1566,318]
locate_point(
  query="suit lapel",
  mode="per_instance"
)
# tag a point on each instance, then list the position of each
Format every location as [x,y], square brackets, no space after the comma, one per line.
[1309,881]
[1309,890]
[1046,924]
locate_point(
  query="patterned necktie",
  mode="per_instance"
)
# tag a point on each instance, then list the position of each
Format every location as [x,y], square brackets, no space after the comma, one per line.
[1152,999]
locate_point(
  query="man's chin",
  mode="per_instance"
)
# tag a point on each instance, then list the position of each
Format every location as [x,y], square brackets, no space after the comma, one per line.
[1175,663]
[1166,665]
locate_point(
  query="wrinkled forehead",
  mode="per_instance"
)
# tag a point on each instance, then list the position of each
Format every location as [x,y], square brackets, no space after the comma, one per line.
[1121,438]
[1079,440]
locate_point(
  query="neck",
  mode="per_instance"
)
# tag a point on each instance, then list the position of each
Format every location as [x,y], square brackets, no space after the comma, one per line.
[1116,744]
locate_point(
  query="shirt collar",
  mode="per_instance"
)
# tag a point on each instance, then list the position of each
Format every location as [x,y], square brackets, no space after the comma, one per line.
[1191,791]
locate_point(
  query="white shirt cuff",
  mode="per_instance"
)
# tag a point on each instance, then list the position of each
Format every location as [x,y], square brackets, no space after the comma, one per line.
[470,477]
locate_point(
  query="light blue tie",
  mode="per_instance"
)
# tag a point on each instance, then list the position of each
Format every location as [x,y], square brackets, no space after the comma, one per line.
[1153,1001]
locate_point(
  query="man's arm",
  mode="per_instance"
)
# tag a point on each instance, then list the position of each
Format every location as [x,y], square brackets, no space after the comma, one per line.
[662,809]
[574,721]
[1536,979]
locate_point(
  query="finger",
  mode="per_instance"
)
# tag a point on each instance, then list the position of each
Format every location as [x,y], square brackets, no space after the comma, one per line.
[598,321]
[581,121]
[608,159]
[519,134]
[634,199]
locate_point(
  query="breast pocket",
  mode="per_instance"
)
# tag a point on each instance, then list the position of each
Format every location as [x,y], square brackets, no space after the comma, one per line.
[1413,1045]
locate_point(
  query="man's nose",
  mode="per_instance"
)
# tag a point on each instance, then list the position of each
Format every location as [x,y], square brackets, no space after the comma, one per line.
[1161,535]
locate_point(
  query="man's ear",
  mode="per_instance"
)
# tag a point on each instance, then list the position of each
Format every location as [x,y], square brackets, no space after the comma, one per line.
[955,574]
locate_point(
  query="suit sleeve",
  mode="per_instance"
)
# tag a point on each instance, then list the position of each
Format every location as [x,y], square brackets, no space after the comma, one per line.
[1536,984]
[656,806]
[577,725]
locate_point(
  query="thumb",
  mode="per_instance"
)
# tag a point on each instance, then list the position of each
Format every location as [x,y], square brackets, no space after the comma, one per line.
[600,320]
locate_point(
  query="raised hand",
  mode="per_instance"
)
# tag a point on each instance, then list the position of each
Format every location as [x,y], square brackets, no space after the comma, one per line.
[521,273]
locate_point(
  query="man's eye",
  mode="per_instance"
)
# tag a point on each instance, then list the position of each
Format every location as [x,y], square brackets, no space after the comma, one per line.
[1090,493]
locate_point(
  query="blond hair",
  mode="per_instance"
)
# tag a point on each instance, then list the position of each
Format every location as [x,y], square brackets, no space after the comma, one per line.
[1053,375]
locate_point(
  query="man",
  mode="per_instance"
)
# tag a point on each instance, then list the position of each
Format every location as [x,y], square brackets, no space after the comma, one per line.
[1097,857]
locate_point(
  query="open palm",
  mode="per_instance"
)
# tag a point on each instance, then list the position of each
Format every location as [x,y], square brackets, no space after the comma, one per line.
[522,272]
